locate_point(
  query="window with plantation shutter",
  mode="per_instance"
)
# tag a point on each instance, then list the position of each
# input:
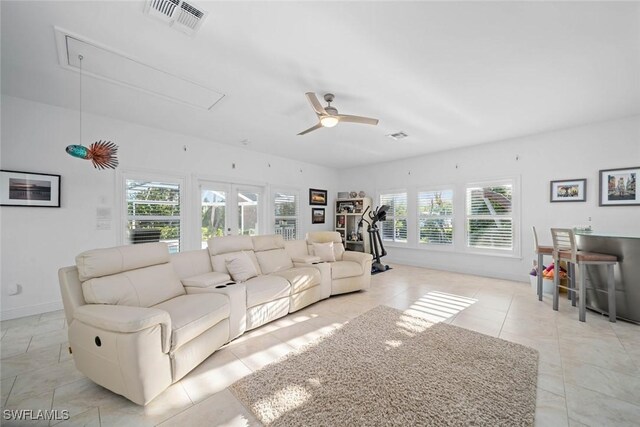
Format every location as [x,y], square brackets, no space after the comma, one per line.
[213,209]
[489,216]
[394,229]
[435,217]
[286,214]
[154,212]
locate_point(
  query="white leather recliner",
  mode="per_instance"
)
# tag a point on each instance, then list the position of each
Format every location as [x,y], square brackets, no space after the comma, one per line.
[133,329]
[351,271]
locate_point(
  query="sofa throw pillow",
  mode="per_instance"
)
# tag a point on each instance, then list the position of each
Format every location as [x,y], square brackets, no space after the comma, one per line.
[324,251]
[241,267]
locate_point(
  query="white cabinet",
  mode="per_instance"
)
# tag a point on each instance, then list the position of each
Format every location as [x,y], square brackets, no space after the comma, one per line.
[347,217]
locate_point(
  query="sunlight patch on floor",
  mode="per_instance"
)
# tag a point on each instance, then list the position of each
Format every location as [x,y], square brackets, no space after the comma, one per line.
[438,306]
[393,344]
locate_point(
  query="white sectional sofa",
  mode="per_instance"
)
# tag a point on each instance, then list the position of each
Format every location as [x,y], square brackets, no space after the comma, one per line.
[140,319]
[279,287]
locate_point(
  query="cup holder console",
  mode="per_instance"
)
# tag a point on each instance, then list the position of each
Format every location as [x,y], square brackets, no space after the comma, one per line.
[225,285]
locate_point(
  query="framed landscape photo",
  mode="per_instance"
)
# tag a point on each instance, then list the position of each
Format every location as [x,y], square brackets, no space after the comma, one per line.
[29,189]
[317,197]
[317,216]
[569,190]
[618,187]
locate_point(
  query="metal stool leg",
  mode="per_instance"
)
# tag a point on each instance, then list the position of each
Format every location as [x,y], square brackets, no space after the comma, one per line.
[611,286]
[582,309]
[571,267]
[570,285]
[539,277]
[556,282]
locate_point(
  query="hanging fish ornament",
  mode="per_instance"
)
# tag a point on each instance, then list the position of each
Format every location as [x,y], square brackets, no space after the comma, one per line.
[102,154]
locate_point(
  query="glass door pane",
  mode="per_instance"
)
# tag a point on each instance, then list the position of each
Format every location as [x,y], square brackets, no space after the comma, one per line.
[248,212]
[213,204]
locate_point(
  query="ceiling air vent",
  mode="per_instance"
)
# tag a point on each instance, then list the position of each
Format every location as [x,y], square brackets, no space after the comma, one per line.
[178,14]
[398,135]
[162,9]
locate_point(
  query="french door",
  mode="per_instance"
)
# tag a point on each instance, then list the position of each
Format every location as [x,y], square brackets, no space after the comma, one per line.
[230,209]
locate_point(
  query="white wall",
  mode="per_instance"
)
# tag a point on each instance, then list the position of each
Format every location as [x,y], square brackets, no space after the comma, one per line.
[38,241]
[536,160]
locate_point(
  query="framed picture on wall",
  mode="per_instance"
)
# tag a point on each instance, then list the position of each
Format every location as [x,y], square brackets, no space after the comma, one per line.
[619,187]
[317,216]
[569,190]
[29,189]
[317,197]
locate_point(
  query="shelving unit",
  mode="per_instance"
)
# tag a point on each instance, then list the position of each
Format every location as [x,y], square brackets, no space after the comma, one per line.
[347,217]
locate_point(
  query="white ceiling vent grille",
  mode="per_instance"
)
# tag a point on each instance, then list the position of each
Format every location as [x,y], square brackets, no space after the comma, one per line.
[162,9]
[178,14]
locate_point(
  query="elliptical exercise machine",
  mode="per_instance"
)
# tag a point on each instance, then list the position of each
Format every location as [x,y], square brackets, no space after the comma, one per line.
[377,248]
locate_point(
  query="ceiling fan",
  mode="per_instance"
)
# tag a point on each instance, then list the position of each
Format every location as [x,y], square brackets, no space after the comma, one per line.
[328,116]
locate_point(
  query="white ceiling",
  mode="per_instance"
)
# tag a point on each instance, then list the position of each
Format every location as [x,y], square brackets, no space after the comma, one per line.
[449,74]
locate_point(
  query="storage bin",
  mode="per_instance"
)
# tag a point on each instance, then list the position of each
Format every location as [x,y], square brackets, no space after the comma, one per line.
[547,285]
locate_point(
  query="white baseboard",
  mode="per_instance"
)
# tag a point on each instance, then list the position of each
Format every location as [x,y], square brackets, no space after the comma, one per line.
[515,278]
[30,310]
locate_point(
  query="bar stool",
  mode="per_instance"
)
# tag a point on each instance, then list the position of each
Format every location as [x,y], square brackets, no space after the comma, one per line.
[541,251]
[565,249]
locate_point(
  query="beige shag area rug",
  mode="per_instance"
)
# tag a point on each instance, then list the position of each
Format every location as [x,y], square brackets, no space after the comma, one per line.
[388,368]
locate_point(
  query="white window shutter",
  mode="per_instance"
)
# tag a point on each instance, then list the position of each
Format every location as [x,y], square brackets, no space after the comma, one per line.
[154,212]
[435,217]
[489,213]
[286,214]
[394,229]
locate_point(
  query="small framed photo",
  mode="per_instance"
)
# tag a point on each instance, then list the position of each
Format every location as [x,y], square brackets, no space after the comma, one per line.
[317,197]
[618,187]
[569,190]
[29,189]
[317,216]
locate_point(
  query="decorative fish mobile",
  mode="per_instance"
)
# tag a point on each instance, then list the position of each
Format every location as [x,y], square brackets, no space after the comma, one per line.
[102,154]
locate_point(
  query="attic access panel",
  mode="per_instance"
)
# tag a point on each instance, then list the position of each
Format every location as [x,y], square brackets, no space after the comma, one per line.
[106,64]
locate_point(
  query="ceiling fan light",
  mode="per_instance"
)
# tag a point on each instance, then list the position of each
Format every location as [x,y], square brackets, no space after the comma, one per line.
[329,121]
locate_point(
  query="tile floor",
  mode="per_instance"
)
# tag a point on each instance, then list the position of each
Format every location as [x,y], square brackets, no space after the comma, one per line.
[589,373]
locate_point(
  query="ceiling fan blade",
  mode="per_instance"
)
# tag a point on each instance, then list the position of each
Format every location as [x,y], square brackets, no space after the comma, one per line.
[317,107]
[357,119]
[318,126]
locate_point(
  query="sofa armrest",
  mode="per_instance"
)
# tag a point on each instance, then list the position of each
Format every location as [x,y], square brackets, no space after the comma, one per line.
[126,319]
[206,280]
[306,259]
[359,257]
